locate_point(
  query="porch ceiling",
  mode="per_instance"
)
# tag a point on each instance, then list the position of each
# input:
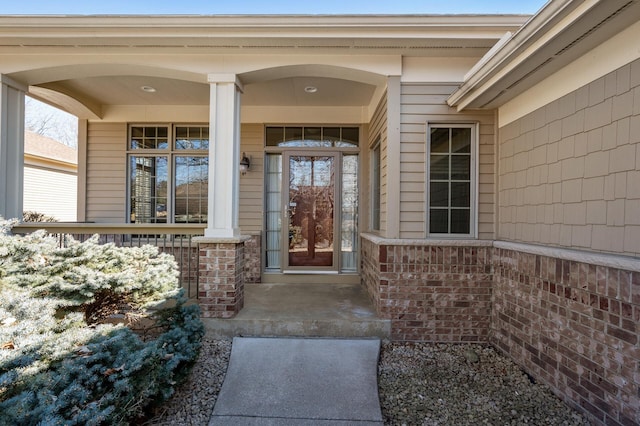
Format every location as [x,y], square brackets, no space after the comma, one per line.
[127,90]
[289,91]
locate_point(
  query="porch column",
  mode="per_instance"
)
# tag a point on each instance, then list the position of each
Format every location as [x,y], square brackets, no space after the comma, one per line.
[224,156]
[11,147]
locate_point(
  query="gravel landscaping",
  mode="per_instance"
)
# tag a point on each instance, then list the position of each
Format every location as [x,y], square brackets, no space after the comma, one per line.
[419,384]
[455,384]
[193,402]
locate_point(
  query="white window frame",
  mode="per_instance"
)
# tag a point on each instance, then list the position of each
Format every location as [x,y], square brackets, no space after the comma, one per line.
[474,174]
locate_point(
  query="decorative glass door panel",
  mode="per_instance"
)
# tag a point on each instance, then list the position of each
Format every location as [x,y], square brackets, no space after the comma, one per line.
[310,212]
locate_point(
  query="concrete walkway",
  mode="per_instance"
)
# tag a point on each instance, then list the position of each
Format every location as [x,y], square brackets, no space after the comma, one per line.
[303,310]
[282,381]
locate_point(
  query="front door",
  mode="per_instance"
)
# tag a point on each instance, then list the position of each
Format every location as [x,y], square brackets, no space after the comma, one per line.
[310,211]
[311,200]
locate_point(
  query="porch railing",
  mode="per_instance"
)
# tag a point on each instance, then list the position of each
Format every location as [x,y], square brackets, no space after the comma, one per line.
[174,239]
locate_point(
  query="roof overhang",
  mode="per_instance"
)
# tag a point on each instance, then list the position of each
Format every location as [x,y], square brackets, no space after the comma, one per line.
[561,32]
[92,66]
[351,34]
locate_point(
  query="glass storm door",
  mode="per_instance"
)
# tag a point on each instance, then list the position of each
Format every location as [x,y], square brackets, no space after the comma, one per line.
[310,211]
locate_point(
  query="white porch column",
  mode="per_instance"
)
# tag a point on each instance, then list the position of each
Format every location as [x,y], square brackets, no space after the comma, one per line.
[224,156]
[11,147]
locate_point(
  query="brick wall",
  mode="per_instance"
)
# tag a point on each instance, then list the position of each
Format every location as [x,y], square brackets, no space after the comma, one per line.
[574,326]
[570,319]
[221,287]
[252,260]
[430,292]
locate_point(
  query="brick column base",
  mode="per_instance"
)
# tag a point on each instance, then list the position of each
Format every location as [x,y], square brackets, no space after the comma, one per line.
[221,276]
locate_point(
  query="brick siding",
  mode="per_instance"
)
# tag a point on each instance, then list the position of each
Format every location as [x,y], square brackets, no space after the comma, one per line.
[572,325]
[430,293]
[221,287]
[253,260]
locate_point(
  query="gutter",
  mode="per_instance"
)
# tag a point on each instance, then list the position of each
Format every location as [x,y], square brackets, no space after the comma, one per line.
[508,47]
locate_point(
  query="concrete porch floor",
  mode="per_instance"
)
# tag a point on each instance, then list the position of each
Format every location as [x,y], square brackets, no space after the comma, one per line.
[302,310]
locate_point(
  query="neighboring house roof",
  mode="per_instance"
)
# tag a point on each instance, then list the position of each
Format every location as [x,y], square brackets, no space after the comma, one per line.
[43,151]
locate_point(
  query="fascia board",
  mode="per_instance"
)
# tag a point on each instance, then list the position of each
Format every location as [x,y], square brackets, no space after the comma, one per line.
[277,26]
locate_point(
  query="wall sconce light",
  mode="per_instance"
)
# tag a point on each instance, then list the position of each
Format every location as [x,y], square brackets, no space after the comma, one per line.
[245,164]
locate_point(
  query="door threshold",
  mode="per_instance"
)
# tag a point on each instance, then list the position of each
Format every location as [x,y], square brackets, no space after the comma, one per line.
[310,277]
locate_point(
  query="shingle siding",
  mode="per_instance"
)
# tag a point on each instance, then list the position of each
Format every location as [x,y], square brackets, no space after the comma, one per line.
[586,183]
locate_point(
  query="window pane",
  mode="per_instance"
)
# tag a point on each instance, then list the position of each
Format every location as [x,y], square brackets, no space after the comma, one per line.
[137,132]
[460,167]
[162,134]
[331,134]
[273,217]
[182,132]
[450,181]
[460,223]
[313,133]
[191,138]
[351,135]
[322,137]
[439,139]
[439,195]
[460,194]
[148,137]
[438,221]
[292,134]
[461,140]
[191,188]
[375,188]
[274,135]
[349,225]
[439,169]
[148,189]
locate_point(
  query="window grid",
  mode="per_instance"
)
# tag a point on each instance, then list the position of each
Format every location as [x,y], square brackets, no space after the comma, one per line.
[312,136]
[168,173]
[451,179]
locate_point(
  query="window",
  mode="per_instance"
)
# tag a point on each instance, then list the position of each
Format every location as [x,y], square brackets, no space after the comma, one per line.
[451,184]
[168,174]
[316,137]
[375,187]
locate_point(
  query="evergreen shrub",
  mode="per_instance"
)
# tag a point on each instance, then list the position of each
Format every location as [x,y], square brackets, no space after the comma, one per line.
[61,360]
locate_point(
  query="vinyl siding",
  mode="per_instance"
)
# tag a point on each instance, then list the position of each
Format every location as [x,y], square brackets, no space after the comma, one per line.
[106,173]
[252,183]
[420,105]
[50,192]
[378,132]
